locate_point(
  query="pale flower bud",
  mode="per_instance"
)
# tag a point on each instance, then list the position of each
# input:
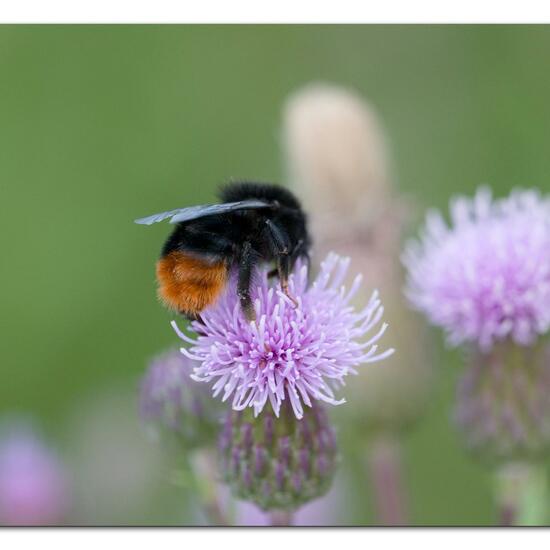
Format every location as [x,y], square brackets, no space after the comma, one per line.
[337,157]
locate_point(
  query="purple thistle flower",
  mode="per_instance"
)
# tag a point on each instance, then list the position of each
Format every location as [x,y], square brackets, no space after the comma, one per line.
[296,352]
[33,481]
[487,277]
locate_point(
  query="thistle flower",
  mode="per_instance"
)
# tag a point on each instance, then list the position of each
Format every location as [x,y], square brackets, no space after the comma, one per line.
[33,484]
[486,278]
[291,352]
[171,402]
[486,281]
[279,464]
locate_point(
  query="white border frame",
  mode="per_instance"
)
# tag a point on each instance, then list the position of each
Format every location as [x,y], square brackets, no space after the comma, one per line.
[274,11]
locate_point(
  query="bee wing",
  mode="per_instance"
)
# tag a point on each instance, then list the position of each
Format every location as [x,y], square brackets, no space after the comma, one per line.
[194,212]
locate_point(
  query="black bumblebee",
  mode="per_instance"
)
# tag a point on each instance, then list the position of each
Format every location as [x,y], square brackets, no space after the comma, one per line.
[255,223]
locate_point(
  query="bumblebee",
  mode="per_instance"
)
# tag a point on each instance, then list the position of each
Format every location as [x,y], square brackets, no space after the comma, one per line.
[254,224]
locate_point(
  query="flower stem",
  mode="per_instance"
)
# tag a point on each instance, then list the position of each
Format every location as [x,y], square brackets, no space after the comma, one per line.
[521,491]
[203,466]
[384,458]
[281,518]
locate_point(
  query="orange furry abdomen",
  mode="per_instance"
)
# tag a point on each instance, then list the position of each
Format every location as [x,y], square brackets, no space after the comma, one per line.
[189,284]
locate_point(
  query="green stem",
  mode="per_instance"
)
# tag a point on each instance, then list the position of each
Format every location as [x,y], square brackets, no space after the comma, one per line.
[203,466]
[521,491]
[384,457]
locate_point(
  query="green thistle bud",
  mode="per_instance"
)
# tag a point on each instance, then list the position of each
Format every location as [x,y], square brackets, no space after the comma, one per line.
[278,463]
[503,403]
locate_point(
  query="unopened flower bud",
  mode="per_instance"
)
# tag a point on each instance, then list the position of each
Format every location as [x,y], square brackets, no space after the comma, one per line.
[337,158]
[172,403]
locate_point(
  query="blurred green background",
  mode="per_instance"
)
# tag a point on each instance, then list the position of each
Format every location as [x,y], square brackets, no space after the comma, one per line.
[102,124]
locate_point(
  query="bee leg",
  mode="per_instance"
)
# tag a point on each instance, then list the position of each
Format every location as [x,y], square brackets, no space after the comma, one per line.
[247,261]
[300,252]
[283,269]
[192,316]
[279,243]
